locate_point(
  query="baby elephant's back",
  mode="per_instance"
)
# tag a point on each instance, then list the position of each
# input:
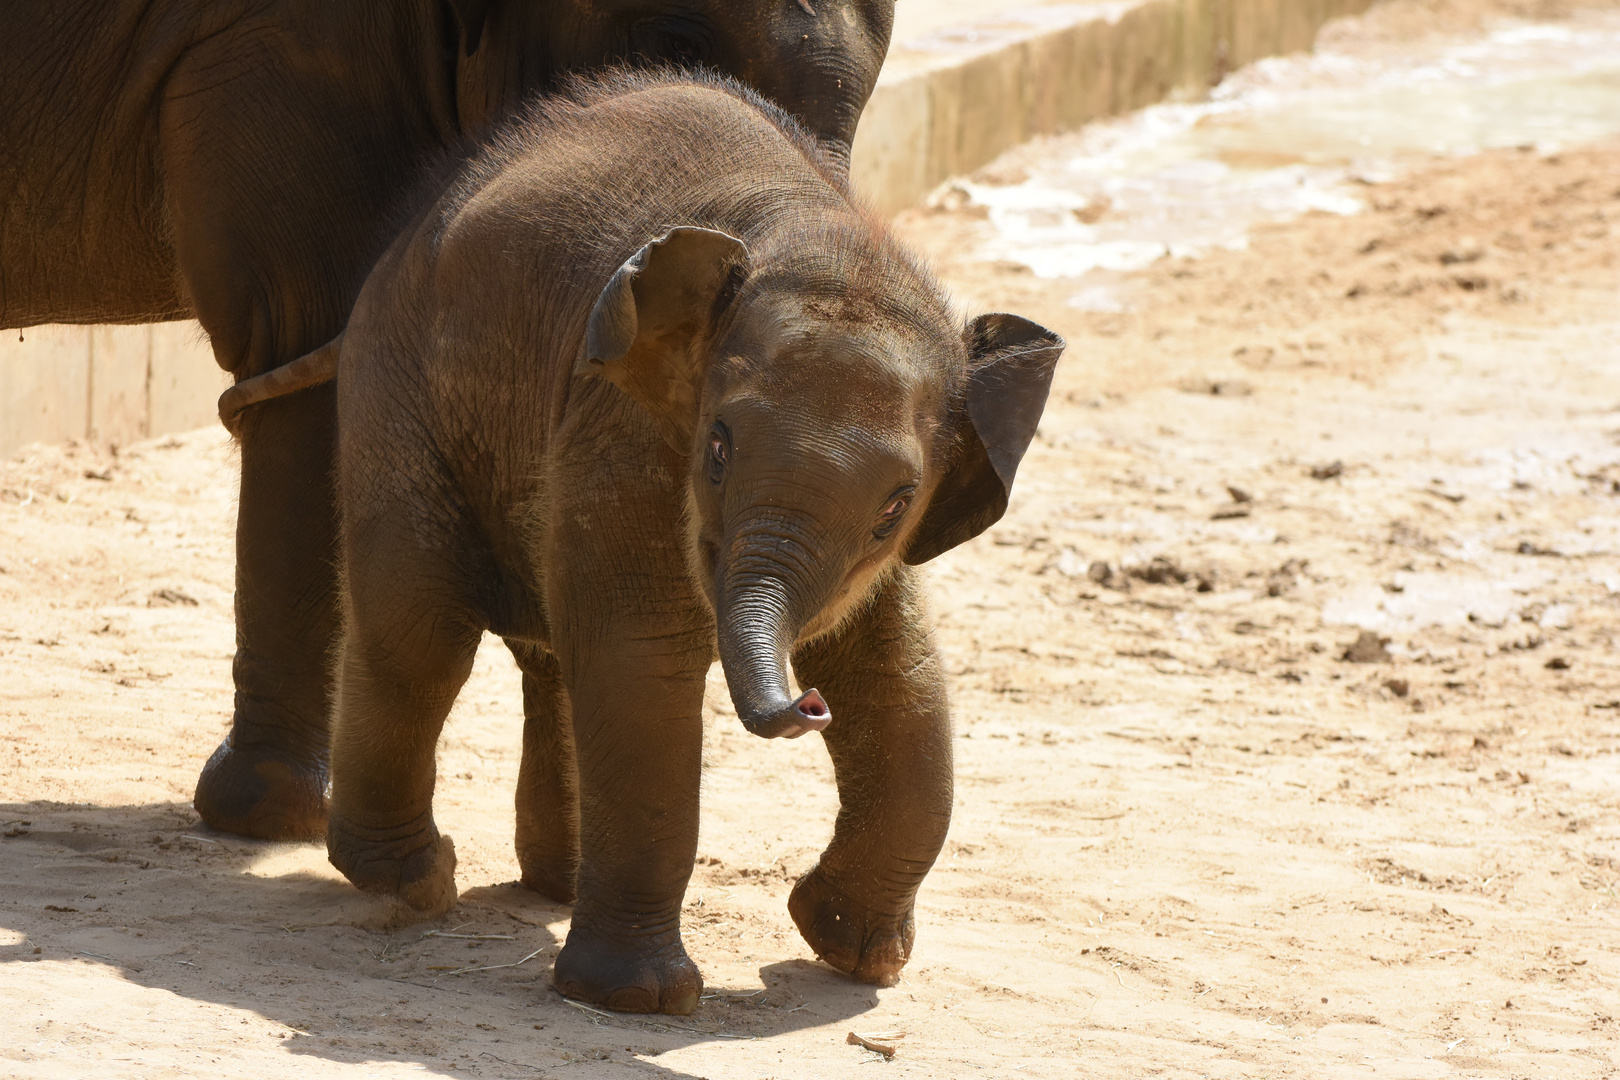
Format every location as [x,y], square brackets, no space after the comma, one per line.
[567,194]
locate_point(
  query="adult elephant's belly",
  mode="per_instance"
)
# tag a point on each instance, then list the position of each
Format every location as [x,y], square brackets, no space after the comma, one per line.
[83,230]
[84,234]
[57,268]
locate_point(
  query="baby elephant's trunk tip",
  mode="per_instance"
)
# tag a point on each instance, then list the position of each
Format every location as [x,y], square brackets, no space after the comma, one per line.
[808,713]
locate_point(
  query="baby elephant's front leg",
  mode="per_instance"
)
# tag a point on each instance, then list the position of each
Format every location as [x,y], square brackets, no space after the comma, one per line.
[638,729]
[890,741]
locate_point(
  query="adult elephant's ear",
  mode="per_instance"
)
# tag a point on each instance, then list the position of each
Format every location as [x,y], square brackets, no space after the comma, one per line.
[649,328]
[1011,361]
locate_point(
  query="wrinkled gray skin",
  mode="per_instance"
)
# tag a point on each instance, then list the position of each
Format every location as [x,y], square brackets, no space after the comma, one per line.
[243,162]
[643,388]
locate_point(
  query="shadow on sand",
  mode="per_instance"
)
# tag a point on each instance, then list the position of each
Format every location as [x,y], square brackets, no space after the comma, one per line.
[270,928]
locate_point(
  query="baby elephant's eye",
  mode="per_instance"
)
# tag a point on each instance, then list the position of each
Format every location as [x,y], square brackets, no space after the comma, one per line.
[719,454]
[891,515]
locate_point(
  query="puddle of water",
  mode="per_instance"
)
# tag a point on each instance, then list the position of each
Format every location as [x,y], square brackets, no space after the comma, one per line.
[1292,135]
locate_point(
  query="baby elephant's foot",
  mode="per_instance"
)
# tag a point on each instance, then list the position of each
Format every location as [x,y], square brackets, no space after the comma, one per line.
[262,792]
[866,945]
[625,979]
[419,867]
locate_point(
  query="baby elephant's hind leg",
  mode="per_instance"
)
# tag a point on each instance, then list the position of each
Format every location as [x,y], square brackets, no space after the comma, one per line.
[548,780]
[399,672]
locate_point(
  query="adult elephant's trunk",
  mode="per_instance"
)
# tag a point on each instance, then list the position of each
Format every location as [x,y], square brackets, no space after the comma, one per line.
[756,632]
[837,152]
[819,63]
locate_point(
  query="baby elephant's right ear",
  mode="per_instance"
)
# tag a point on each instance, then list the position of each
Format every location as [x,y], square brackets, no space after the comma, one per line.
[649,331]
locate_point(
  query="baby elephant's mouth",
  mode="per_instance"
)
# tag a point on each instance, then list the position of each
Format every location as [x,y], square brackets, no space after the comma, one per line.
[808,713]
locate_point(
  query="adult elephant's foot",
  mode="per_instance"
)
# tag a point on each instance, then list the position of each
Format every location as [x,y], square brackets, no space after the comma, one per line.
[627,979]
[867,945]
[414,863]
[262,792]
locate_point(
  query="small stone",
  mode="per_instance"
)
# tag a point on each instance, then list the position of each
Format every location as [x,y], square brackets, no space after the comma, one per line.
[1465,250]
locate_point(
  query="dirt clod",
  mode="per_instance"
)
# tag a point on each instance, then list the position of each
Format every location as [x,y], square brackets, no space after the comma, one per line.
[1328,471]
[1368,648]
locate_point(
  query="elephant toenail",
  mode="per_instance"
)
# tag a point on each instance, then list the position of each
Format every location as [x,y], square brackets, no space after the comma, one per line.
[632,999]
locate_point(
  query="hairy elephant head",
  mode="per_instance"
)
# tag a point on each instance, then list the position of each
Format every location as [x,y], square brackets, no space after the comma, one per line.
[817,59]
[837,422]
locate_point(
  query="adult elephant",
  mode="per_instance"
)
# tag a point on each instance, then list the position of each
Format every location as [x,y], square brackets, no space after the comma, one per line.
[240,162]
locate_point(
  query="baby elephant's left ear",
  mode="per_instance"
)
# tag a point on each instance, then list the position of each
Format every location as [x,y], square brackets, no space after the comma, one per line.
[647,329]
[1012,362]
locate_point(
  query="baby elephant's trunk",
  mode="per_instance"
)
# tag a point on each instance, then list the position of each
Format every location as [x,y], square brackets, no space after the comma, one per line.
[755,636]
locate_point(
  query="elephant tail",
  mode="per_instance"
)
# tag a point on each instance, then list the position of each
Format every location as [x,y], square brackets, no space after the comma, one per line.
[311,369]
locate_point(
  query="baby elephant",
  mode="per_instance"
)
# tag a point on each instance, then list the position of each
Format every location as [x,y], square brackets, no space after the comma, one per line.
[644,384]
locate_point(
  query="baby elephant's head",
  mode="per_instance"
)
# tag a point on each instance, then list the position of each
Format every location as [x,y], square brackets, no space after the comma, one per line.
[838,424]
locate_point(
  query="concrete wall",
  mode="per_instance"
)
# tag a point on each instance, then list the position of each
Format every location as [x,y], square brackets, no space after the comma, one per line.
[112,384]
[948,102]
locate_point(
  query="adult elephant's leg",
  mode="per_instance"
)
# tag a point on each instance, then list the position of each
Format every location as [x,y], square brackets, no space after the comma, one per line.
[890,741]
[638,728]
[276,211]
[269,777]
[548,782]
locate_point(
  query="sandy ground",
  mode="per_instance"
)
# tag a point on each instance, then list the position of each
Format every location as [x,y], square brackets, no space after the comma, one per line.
[1287,720]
